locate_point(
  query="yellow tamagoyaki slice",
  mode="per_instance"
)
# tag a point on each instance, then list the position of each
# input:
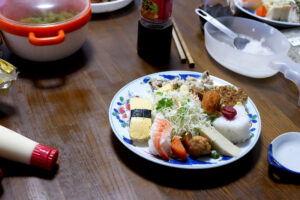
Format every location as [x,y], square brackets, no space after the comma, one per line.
[140,118]
[140,103]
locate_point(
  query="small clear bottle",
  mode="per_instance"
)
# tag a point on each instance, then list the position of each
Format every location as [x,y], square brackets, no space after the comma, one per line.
[155,30]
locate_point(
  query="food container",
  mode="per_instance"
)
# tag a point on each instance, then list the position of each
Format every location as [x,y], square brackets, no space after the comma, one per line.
[254,65]
[220,48]
[284,151]
[44,30]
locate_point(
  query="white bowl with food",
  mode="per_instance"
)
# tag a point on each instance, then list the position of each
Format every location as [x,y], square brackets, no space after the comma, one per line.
[266,44]
[44,31]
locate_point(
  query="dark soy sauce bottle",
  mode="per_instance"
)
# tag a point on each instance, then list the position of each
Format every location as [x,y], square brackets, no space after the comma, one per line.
[155,31]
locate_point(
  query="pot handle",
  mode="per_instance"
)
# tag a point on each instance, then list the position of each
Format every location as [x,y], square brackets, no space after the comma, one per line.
[42,41]
[290,70]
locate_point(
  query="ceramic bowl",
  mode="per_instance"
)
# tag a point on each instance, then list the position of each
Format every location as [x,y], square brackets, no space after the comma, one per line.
[220,47]
[28,34]
[284,152]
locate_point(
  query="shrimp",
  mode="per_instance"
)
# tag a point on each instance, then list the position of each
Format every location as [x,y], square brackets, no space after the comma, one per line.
[160,141]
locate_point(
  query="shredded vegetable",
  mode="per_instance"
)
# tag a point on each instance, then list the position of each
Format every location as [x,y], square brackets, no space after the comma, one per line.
[182,109]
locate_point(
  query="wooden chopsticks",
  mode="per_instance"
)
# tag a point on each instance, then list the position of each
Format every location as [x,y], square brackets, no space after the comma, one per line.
[178,46]
[181,46]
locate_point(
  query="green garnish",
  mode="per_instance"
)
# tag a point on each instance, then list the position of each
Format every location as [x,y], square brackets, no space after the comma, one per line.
[212,118]
[214,154]
[164,103]
[182,112]
[176,86]
[159,93]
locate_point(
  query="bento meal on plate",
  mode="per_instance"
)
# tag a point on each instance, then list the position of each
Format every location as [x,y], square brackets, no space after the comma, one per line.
[190,117]
[45,17]
[185,119]
[280,10]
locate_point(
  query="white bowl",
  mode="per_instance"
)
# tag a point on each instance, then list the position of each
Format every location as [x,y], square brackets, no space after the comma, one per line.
[109,6]
[44,30]
[23,48]
[219,46]
[284,152]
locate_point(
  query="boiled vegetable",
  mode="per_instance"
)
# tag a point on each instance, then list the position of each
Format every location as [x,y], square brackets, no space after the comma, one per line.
[178,149]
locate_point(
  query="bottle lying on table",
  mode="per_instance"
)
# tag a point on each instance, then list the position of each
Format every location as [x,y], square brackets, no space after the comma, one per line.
[16,147]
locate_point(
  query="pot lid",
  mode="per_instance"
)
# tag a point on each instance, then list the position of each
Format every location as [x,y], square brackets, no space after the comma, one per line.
[40,16]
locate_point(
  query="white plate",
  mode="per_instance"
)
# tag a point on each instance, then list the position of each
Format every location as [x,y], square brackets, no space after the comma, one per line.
[282,24]
[119,121]
[109,6]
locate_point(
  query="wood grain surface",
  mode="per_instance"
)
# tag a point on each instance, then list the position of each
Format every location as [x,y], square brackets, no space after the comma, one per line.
[64,105]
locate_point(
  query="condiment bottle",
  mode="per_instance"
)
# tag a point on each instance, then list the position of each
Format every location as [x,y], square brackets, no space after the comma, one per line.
[155,30]
[19,148]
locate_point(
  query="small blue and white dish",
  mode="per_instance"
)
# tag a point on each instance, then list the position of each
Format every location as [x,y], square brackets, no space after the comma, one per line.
[284,152]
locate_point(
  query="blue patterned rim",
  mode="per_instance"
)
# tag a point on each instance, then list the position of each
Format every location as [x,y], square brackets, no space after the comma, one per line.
[275,163]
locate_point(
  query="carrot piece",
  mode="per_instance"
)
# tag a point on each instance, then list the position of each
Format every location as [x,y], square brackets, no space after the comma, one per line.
[261,11]
[178,149]
[176,100]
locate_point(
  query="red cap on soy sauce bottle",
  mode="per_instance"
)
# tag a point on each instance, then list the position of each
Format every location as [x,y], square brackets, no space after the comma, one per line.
[155,30]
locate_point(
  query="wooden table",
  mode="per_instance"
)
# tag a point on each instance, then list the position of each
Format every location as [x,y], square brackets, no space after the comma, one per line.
[65,105]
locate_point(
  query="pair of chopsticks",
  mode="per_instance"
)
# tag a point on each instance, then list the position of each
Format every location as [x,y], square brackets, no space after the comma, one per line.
[181,46]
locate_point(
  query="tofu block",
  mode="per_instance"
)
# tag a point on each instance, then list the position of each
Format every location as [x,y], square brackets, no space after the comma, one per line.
[280,13]
[219,142]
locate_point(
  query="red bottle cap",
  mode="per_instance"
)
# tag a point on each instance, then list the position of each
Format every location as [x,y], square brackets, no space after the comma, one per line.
[44,157]
[157,10]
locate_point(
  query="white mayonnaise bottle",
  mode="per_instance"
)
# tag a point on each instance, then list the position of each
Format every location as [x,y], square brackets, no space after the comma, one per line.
[19,148]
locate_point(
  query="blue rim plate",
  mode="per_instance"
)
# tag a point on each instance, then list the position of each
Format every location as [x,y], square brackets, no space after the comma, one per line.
[238,4]
[119,120]
[109,6]
[283,152]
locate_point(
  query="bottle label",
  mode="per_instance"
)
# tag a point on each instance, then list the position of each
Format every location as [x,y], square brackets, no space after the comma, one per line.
[156,10]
